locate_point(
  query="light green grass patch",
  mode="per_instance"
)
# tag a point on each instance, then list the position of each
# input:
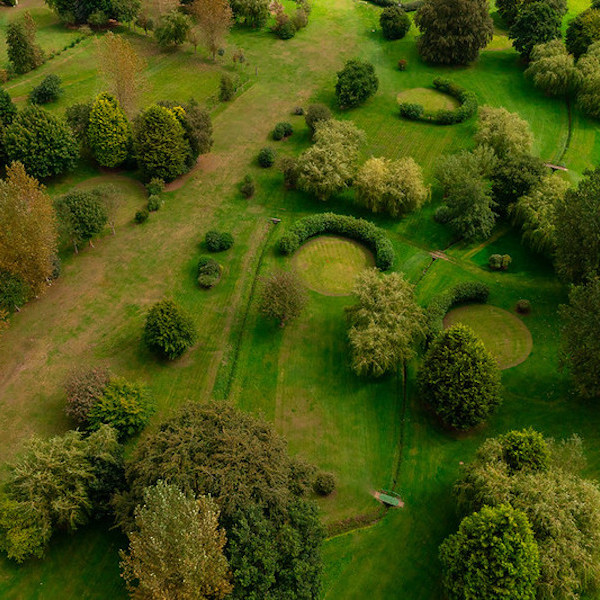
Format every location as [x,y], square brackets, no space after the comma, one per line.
[431,99]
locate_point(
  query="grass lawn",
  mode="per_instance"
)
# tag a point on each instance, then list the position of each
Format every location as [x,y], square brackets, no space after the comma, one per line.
[429,98]
[371,434]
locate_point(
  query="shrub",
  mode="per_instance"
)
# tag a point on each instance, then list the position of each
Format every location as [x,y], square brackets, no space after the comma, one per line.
[442,214]
[286,30]
[226,88]
[168,331]
[154,203]
[84,387]
[394,22]
[316,113]
[14,292]
[524,307]
[248,188]
[266,157]
[356,83]
[298,111]
[125,406]
[155,186]
[141,216]
[499,262]
[346,226]
[282,130]
[283,296]
[402,64]
[209,272]
[218,242]
[289,167]
[324,484]
[524,450]
[47,91]
[411,110]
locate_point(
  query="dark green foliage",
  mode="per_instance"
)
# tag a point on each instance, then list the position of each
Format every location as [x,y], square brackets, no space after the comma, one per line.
[8,110]
[493,556]
[14,292]
[172,29]
[209,272]
[411,111]
[78,119]
[442,214]
[155,187]
[125,406]
[580,332]
[47,91]
[23,53]
[169,331]
[524,450]
[394,23]
[346,226]
[159,143]
[356,83]
[141,216]
[460,379]
[283,296]
[154,203]
[252,13]
[226,88]
[499,262]
[536,23]
[324,484]
[583,31]
[289,167]
[77,12]
[316,113]
[282,130]
[266,157]
[82,214]
[247,187]
[216,241]
[523,307]
[84,387]
[453,31]
[286,30]
[41,141]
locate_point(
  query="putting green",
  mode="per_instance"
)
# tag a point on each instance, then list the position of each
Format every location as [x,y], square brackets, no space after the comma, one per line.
[329,264]
[503,334]
[431,99]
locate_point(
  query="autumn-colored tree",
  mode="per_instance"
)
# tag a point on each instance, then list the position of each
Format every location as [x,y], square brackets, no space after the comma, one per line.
[28,235]
[213,19]
[122,68]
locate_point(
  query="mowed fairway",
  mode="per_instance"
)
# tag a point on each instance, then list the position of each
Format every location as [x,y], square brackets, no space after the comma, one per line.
[370,434]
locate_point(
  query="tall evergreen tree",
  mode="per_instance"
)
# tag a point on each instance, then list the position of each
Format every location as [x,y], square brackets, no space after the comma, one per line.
[108,131]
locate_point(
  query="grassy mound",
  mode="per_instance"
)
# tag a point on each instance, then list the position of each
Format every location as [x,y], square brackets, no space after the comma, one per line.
[503,334]
[429,98]
[329,264]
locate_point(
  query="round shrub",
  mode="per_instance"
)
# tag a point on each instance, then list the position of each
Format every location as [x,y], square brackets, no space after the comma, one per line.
[411,110]
[316,113]
[248,188]
[14,292]
[442,214]
[154,203]
[155,186]
[218,242]
[286,31]
[266,158]
[499,262]
[298,111]
[282,130]
[524,307]
[324,484]
[125,406]
[525,450]
[84,387]
[47,91]
[356,83]
[394,22]
[141,216]
[168,331]
[209,272]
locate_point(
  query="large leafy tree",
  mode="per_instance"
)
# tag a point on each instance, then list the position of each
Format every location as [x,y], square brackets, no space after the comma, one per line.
[28,236]
[356,83]
[108,131]
[42,142]
[552,69]
[172,29]
[283,296]
[23,52]
[581,337]
[588,67]
[169,331]
[583,31]
[577,226]
[460,379]
[493,555]
[453,31]
[159,143]
[509,9]
[176,548]
[536,23]
[503,131]
[253,13]
[79,11]
[385,323]
[213,18]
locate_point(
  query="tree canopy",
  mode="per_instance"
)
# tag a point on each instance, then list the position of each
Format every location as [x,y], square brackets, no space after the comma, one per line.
[505,132]
[283,296]
[535,23]
[356,83]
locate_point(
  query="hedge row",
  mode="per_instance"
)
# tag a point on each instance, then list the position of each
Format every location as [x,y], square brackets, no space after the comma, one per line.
[467,108]
[406,6]
[468,291]
[357,229]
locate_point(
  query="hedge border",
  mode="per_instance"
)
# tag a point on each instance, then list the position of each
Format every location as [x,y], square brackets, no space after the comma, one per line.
[360,230]
[467,108]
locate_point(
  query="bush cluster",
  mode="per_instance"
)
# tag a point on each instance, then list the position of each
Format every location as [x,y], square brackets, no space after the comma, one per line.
[324,484]
[209,272]
[467,291]
[266,158]
[356,229]
[141,216]
[524,307]
[47,91]
[247,187]
[218,242]
[282,130]
[499,262]
[468,105]
[154,203]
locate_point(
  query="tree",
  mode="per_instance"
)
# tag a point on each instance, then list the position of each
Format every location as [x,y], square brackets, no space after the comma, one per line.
[122,69]
[47,91]
[28,236]
[583,31]
[14,293]
[176,549]
[384,324]
[108,132]
[8,110]
[536,23]
[509,9]
[24,54]
[394,23]
[159,143]
[580,334]
[356,83]
[394,187]
[460,379]
[588,67]
[169,331]
[577,224]
[493,555]
[125,406]
[553,70]
[76,12]
[535,213]
[505,132]
[84,387]
[42,142]
[330,164]
[82,214]
[253,13]
[453,31]
[172,29]
[524,450]
[214,19]
[314,114]
[283,296]
[58,483]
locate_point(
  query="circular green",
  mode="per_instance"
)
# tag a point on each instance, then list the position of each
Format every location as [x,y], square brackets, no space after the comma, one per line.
[506,337]
[430,99]
[329,264]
